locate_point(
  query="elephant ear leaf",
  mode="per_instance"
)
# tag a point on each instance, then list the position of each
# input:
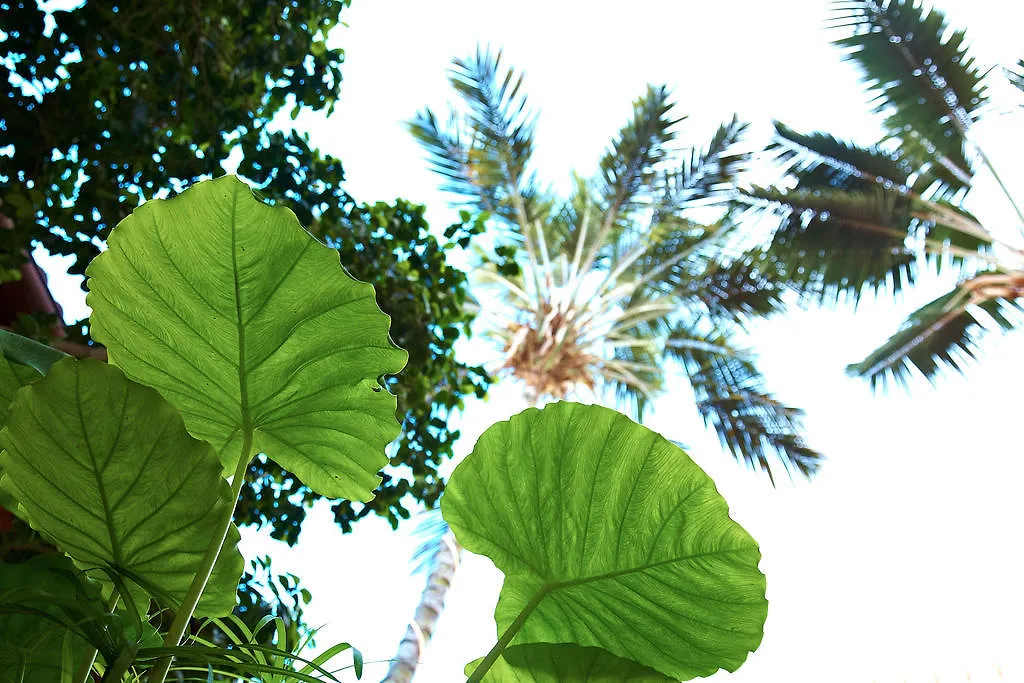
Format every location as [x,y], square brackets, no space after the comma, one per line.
[254,331]
[561,662]
[44,615]
[104,468]
[610,537]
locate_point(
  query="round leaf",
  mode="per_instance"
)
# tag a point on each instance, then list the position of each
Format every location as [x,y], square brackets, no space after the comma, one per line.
[104,468]
[609,536]
[250,327]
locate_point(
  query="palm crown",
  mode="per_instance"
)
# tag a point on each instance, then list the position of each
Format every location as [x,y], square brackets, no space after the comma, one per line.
[605,289]
[850,219]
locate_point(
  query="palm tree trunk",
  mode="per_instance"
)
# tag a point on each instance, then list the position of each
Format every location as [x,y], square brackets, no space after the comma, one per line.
[443,566]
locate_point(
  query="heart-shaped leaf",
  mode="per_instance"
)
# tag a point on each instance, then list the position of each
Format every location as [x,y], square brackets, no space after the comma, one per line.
[254,331]
[609,536]
[563,663]
[104,468]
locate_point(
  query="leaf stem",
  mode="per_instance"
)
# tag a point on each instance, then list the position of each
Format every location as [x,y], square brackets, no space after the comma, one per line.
[508,635]
[1002,186]
[195,591]
[82,675]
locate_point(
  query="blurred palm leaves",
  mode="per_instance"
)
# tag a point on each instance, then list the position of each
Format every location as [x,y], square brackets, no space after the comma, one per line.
[585,292]
[851,219]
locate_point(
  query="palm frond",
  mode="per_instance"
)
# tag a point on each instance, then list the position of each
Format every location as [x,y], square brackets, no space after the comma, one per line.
[925,81]
[944,332]
[501,123]
[634,376]
[449,156]
[953,234]
[753,425]
[820,161]
[431,531]
[483,155]
[1016,75]
[629,164]
[709,172]
[832,243]
[736,290]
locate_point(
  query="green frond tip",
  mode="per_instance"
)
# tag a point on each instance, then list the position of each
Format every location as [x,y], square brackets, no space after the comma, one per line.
[753,425]
[483,153]
[640,145]
[821,161]
[834,243]
[943,333]
[925,81]
[709,172]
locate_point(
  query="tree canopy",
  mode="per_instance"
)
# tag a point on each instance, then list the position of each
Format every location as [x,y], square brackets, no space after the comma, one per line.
[106,105]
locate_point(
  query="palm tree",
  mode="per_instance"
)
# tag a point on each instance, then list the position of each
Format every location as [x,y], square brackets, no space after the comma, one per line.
[849,219]
[634,273]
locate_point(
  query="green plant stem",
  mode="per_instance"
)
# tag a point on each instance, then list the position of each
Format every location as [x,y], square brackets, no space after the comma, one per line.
[1002,186]
[507,636]
[85,670]
[195,591]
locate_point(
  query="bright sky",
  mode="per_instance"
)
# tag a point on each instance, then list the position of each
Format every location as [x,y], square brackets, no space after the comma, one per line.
[900,561]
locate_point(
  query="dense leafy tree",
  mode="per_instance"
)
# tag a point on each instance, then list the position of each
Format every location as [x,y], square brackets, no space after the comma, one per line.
[850,219]
[113,103]
[110,103]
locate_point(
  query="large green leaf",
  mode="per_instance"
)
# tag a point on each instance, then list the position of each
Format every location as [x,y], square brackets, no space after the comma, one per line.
[550,663]
[609,536]
[104,468]
[34,629]
[251,328]
[13,376]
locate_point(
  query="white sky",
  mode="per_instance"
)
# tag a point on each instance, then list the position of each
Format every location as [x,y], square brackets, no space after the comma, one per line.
[900,562]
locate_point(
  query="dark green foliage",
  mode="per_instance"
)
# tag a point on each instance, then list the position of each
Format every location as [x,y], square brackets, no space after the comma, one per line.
[178,88]
[924,81]
[835,242]
[850,219]
[944,332]
[159,96]
[731,397]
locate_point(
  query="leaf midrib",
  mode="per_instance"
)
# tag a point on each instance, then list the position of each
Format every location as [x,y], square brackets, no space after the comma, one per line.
[557,585]
[243,382]
[108,514]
